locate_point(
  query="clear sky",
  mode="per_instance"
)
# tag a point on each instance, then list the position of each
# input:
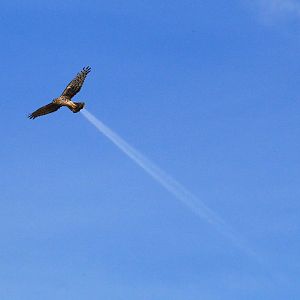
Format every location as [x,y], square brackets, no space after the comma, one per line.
[209,91]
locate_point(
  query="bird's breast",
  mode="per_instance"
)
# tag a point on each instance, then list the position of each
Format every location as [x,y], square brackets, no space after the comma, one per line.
[64,101]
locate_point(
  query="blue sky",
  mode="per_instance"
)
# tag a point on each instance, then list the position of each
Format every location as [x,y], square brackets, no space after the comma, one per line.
[208,90]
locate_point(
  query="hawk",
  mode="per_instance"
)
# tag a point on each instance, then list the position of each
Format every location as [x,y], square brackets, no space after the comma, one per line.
[66,97]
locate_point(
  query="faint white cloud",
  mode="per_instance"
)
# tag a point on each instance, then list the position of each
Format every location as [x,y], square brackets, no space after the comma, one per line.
[278,9]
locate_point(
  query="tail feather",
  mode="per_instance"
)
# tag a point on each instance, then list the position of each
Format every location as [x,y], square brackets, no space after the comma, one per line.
[79,106]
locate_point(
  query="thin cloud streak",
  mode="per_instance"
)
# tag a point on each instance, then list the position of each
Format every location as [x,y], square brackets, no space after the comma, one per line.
[173,186]
[278,8]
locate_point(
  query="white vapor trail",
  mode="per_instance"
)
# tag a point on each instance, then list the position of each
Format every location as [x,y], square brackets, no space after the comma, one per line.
[272,9]
[170,184]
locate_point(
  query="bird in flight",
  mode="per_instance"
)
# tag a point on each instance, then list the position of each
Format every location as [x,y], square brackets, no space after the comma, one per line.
[65,99]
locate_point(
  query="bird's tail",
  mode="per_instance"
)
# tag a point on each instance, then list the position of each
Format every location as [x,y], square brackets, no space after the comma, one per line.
[79,106]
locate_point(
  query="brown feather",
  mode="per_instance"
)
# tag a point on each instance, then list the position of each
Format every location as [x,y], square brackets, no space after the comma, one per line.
[65,99]
[47,109]
[75,85]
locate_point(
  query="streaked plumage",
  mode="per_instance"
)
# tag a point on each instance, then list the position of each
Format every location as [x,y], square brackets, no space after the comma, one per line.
[65,99]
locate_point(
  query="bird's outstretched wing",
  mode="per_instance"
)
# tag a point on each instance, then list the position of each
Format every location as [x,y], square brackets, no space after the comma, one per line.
[75,85]
[47,109]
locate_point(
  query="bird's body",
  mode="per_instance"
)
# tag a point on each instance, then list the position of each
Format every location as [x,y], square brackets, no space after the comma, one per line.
[66,97]
[66,101]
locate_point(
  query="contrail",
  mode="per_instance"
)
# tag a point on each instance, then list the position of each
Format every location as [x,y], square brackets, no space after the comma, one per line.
[173,186]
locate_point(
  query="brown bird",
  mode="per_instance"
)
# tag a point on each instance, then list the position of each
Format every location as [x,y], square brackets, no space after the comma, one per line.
[65,99]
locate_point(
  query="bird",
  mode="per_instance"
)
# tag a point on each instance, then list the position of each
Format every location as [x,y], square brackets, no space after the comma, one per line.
[65,99]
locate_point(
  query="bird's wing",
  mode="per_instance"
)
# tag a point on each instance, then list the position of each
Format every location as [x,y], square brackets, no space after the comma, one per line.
[75,85]
[47,109]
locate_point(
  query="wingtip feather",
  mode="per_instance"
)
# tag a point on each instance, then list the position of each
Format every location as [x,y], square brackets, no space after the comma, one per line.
[87,69]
